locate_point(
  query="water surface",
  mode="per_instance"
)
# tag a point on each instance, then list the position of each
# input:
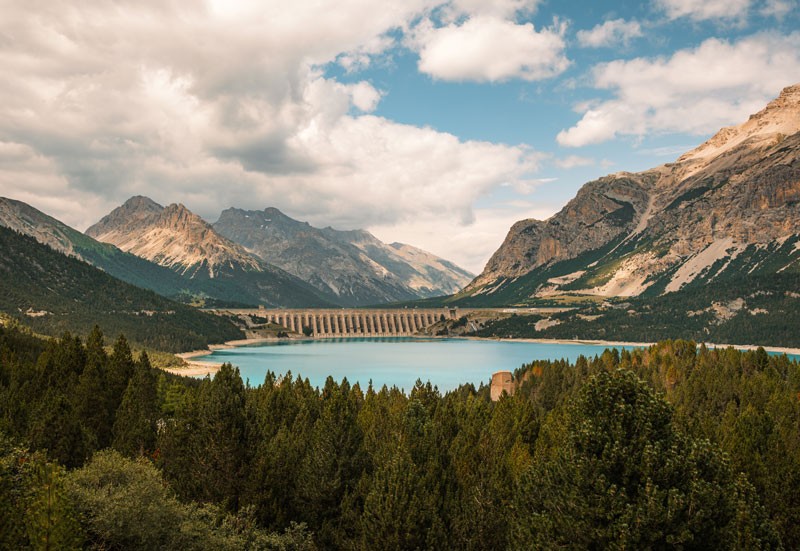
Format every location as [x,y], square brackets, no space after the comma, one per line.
[399,361]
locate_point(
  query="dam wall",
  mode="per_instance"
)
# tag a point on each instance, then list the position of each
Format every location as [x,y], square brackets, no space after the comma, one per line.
[346,322]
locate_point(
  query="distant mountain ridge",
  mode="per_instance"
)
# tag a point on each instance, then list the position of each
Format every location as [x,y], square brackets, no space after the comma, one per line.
[170,236]
[730,207]
[352,267]
[178,239]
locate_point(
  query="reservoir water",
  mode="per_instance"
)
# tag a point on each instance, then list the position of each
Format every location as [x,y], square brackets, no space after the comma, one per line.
[398,361]
[446,363]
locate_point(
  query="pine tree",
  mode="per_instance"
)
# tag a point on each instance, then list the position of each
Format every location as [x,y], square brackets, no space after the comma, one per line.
[222,436]
[55,428]
[120,370]
[91,396]
[621,475]
[135,423]
[50,519]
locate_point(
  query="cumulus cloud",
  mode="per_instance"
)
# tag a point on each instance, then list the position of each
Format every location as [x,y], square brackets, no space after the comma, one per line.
[469,247]
[610,33]
[489,49]
[700,10]
[455,10]
[694,91]
[224,104]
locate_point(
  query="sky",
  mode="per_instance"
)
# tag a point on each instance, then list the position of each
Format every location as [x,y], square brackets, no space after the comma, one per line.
[429,122]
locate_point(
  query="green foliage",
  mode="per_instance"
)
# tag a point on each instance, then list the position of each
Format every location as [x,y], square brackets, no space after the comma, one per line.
[125,505]
[670,446]
[49,516]
[621,476]
[135,423]
[53,293]
[14,487]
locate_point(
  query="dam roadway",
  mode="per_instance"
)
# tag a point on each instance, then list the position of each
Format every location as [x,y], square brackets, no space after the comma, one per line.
[366,322]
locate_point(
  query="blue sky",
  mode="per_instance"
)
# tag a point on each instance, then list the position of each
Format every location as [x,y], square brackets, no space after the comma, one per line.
[434,123]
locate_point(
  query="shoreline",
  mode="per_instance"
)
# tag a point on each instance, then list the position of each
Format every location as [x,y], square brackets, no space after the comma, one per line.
[775,349]
[195,368]
[201,368]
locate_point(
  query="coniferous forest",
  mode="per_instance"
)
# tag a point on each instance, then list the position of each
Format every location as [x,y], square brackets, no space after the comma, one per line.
[673,446]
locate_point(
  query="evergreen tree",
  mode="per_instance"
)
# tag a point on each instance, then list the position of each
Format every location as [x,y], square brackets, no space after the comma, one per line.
[622,476]
[55,427]
[120,370]
[222,437]
[91,397]
[50,519]
[332,466]
[135,423]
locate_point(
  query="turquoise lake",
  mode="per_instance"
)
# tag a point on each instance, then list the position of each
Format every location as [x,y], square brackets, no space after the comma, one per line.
[399,361]
[446,363]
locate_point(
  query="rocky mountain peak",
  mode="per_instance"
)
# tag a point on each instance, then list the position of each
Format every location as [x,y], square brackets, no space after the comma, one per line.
[171,236]
[140,203]
[729,207]
[780,118]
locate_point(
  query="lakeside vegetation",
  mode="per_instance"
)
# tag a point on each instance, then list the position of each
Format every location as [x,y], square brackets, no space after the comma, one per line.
[670,446]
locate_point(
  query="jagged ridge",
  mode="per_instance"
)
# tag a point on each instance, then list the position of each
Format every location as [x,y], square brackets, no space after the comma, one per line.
[352,267]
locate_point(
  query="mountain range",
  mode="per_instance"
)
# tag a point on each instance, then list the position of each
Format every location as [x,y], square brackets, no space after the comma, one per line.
[247,258]
[725,210]
[344,268]
[350,267]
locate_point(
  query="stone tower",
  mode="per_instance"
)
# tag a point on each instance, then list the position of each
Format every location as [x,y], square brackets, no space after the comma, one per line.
[501,381]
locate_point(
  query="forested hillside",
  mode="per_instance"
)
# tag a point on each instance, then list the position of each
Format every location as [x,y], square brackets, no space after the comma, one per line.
[756,310]
[673,446]
[53,293]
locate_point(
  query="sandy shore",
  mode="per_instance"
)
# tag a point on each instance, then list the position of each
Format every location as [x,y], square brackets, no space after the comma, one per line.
[198,369]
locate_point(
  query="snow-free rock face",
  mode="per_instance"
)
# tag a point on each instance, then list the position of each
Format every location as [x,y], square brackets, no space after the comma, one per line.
[178,239]
[27,220]
[727,208]
[170,236]
[352,267]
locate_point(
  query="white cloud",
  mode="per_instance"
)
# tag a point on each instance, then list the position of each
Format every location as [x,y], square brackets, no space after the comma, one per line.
[694,91]
[226,105]
[610,33]
[489,49]
[365,96]
[496,8]
[700,10]
[468,246]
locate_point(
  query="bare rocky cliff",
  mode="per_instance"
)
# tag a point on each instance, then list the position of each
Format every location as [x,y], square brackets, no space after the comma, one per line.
[171,236]
[730,206]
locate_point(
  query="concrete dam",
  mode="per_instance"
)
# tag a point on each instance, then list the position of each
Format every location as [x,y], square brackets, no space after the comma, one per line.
[324,323]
